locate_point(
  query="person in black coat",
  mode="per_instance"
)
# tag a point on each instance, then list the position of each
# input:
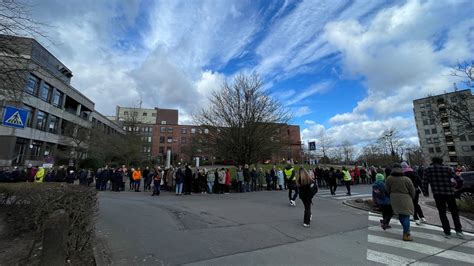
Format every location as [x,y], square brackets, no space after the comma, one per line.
[188,180]
[418,216]
[305,182]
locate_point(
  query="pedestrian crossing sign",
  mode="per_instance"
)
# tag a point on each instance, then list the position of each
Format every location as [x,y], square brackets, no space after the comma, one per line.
[14,117]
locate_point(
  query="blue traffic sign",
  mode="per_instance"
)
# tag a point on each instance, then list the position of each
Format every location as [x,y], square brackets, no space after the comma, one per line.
[14,117]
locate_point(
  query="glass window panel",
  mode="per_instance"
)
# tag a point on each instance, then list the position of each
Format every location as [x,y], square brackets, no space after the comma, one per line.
[53,124]
[32,85]
[57,98]
[41,120]
[44,92]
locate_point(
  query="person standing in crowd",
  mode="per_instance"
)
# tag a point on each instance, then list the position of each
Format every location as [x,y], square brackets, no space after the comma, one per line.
[268,179]
[290,177]
[228,181]
[240,179]
[179,179]
[246,178]
[30,173]
[347,180]
[61,174]
[304,183]
[260,179]
[442,180]
[137,176]
[210,180]
[280,178]
[401,192]
[381,198]
[202,180]
[416,180]
[356,172]
[157,177]
[146,178]
[216,180]
[188,180]
[39,175]
[332,180]
[273,175]
[254,177]
[363,176]
[221,181]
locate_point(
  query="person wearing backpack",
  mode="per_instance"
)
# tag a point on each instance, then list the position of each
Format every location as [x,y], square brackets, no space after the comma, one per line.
[381,198]
[306,187]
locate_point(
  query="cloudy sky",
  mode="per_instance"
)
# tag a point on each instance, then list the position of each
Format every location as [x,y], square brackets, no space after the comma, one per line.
[351,68]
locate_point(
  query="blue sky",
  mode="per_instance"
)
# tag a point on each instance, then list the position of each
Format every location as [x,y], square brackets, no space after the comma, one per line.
[347,68]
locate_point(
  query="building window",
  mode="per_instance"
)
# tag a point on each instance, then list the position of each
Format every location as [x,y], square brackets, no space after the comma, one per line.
[162,150]
[170,130]
[471,137]
[29,118]
[163,122]
[57,98]
[430,150]
[429,141]
[434,131]
[145,114]
[183,140]
[438,149]
[432,122]
[41,120]
[32,85]
[135,114]
[427,131]
[170,139]
[125,113]
[423,113]
[472,147]
[162,139]
[425,122]
[45,92]
[53,124]
[206,131]
[162,129]
[465,148]
[36,149]
[193,130]
[199,131]
[149,139]
[153,114]
[184,130]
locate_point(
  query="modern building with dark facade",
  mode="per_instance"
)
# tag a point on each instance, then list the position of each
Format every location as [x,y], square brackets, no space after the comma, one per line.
[54,107]
[440,133]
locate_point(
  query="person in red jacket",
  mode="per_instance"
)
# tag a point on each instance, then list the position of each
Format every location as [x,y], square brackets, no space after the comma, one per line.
[227,181]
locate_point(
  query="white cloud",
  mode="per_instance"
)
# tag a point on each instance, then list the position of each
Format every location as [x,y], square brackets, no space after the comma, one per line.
[347,118]
[399,53]
[302,111]
[313,89]
[309,122]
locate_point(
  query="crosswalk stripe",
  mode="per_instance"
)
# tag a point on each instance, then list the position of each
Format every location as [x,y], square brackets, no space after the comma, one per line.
[376,218]
[416,234]
[456,255]
[469,244]
[387,258]
[417,247]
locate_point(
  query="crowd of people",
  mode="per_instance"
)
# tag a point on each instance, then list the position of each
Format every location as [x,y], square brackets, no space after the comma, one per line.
[395,190]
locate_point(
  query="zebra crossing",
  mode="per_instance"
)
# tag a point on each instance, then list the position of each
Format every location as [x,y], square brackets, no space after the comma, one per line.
[341,195]
[429,246]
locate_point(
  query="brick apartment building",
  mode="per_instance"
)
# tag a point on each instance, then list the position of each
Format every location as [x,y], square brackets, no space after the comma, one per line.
[167,134]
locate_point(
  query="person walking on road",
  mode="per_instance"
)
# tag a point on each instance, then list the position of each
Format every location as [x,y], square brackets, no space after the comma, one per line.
[290,177]
[305,183]
[280,178]
[382,199]
[419,217]
[347,179]
[401,192]
[332,180]
[442,180]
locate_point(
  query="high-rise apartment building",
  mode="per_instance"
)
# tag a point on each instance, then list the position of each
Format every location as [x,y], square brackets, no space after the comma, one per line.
[54,106]
[443,125]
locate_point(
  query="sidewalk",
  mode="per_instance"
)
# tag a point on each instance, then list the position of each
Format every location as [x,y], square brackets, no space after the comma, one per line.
[431,213]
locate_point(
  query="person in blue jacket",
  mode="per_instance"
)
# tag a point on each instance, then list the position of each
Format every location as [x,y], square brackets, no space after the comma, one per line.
[381,198]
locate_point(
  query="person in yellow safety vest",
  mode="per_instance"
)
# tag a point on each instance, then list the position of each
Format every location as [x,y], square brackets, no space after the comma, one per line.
[347,179]
[39,176]
[290,177]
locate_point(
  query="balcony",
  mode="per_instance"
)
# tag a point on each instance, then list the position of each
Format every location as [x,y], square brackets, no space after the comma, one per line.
[445,124]
[447,133]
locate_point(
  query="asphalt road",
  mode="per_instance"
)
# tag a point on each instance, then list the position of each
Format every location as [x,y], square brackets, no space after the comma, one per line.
[247,229]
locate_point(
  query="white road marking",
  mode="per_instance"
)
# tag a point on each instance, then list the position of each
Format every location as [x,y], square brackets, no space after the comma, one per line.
[387,258]
[469,244]
[417,247]
[376,218]
[416,234]
[456,255]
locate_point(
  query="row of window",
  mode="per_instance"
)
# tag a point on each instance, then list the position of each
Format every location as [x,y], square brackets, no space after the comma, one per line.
[44,91]
[428,122]
[126,113]
[146,139]
[465,138]
[138,129]
[169,139]
[44,121]
[146,149]
[161,150]
[432,150]
[184,130]
[432,131]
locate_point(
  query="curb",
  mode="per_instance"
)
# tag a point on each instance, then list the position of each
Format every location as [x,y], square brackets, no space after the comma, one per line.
[99,248]
[347,203]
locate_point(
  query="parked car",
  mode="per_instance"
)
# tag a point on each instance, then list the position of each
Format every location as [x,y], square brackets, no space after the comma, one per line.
[468,185]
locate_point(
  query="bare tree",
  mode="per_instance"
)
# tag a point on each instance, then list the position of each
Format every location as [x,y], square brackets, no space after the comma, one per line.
[347,151]
[324,142]
[16,20]
[391,142]
[244,123]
